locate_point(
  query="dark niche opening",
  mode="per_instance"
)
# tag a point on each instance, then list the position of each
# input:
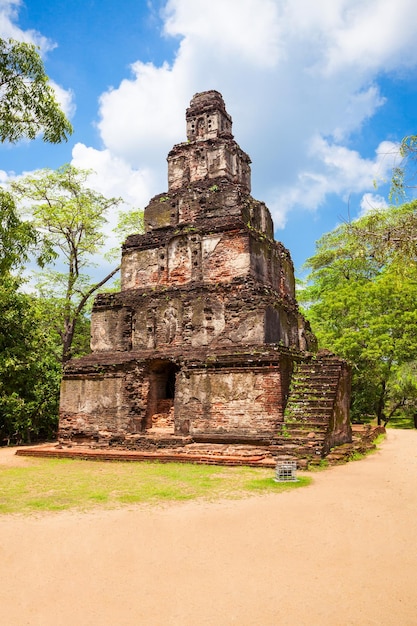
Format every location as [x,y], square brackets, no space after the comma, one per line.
[161,395]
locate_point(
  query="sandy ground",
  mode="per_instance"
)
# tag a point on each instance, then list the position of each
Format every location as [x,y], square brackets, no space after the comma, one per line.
[340,552]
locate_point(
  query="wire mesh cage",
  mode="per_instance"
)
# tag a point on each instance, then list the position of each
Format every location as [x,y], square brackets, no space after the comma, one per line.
[286,471]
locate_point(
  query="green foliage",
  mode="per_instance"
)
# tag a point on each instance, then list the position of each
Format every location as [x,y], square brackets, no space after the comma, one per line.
[37,334]
[29,370]
[16,236]
[402,396]
[28,105]
[403,175]
[70,218]
[387,235]
[361,303]
[129,223]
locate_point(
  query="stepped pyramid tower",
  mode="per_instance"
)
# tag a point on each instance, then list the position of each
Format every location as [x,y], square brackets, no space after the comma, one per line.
[205,341]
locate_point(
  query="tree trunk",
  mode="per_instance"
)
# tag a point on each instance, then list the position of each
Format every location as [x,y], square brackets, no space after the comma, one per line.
[381,404]
[67,338]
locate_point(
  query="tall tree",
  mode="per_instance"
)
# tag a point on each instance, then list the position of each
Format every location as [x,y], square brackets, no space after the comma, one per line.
[362,306]
[70,216]
[17,237]
[30,371]
[388,234]
[28,106]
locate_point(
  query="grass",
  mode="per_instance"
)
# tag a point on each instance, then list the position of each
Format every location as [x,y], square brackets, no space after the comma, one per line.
[64,484]
[379,439]
[400,421]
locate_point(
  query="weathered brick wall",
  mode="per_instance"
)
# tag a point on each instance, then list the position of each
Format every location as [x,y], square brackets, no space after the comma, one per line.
[92,403]
[212,258]
[198,316]
[215,257]
[105,404]
[187,164]
[111,329]
[229,400]
[140,267]
[207,117]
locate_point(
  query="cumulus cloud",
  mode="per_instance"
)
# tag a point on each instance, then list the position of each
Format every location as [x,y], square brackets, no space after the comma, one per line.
[372,35]
[141,119]
[9,10]
[372,202]
[338,171]
[297,77]
[65,97]
[251,33]
[113,176]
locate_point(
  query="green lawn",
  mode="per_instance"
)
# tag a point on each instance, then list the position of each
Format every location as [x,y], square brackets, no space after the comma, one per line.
[61,484]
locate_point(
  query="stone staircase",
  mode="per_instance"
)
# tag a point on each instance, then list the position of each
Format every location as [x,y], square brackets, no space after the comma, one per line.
[309,414]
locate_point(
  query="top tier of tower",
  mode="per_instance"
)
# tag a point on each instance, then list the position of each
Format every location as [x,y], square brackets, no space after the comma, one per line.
[207,117]
[210,151]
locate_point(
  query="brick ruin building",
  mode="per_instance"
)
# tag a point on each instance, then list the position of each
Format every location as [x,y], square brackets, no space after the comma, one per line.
[204,351]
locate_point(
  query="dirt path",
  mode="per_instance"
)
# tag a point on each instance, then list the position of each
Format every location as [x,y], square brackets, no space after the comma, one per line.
[340,552]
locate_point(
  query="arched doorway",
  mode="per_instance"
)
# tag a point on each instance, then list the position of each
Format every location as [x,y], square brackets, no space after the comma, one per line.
[161,395]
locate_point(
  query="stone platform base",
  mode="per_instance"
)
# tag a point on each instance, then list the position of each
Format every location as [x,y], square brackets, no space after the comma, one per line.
[206,453]
[194,453]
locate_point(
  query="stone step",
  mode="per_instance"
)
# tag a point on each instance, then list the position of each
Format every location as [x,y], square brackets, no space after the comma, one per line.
[306,419]
[310,416]
[305,436]
[304,405]
[312,393]
[319,372]
[305,427]
[321,379]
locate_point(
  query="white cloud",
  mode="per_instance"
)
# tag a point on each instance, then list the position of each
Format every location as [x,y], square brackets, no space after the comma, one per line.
[298,78]
[338,171]
[143,117]
[65,98]
[251,32]
[9,10]
[374,34]
[372,202]
[114,176]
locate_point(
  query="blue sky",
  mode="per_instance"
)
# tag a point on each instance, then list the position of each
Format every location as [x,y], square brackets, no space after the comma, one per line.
[320,94]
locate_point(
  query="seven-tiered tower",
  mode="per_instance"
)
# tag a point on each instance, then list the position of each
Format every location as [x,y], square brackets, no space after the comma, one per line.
[203,339]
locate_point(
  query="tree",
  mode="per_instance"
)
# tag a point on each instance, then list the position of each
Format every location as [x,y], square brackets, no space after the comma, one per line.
[404,174]
[17,237]
[387,234]
[30,371]
[28,105]
[70,217]
[362,307]
[402,394]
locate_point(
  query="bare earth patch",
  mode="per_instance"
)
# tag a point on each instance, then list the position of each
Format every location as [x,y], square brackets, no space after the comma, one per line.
[340,552]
